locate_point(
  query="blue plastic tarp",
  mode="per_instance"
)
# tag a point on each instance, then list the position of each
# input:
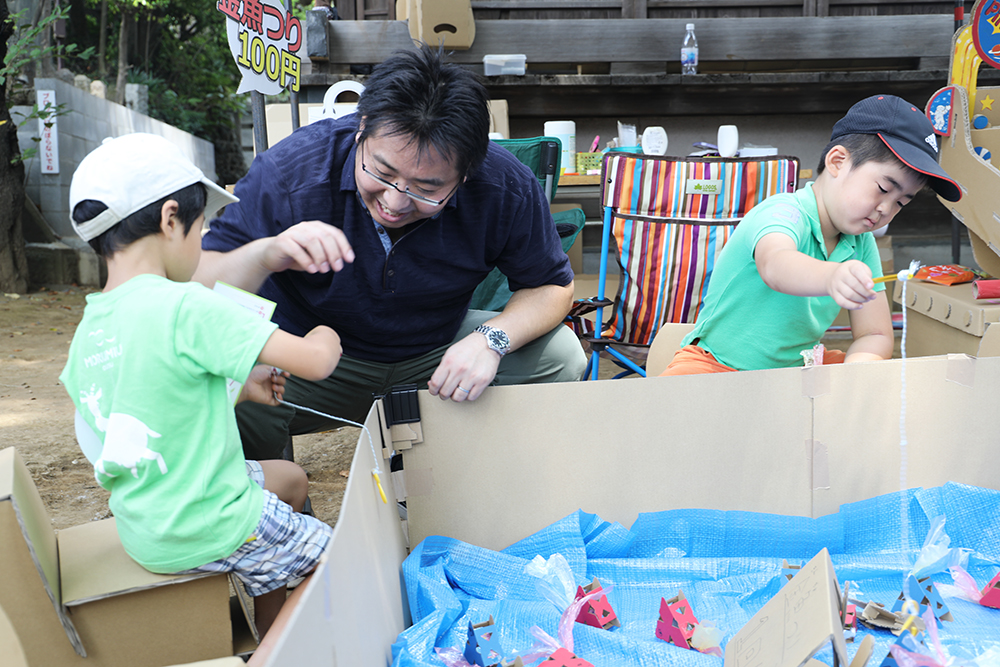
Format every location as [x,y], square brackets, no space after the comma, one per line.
[728,565]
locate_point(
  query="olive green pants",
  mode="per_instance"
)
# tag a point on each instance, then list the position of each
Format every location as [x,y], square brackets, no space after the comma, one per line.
[555,357]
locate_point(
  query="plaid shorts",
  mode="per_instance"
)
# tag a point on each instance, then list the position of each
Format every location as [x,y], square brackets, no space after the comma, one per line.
[285,545]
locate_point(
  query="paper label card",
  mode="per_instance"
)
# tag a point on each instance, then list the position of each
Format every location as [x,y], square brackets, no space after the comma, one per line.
[259,306]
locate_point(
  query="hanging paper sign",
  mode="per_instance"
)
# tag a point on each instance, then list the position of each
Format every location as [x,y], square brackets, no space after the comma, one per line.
[986,31]
[263,39]
[48,132]
[939,110]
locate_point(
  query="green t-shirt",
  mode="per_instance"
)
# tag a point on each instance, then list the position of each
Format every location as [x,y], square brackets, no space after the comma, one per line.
[147,370]
[747,325]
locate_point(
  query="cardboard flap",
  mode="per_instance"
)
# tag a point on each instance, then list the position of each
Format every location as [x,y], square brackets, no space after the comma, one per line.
[796,623]
[94,565]
[35,526]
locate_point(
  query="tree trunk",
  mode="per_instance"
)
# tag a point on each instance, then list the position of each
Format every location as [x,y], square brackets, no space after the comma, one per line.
[46,66]
[102,42]
[123,35]
[77,33]
[13,265]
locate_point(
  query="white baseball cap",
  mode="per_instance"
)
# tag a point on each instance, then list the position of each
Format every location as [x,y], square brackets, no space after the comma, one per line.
[131,172]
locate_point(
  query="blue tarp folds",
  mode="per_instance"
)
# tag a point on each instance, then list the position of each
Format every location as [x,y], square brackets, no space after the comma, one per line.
[727,563]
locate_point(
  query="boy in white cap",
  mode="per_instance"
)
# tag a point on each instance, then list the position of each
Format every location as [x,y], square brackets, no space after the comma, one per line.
[148,369]
[796,259]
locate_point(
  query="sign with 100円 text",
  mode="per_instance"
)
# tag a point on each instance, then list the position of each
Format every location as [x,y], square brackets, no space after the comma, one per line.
[263,39]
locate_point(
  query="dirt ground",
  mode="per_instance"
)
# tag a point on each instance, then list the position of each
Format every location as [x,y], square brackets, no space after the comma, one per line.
[36,414]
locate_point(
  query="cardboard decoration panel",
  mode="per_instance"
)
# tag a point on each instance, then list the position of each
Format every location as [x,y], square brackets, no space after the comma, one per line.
[798,621]
[450,22]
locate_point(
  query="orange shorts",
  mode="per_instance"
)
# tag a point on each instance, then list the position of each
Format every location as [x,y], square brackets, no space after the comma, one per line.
[694,360]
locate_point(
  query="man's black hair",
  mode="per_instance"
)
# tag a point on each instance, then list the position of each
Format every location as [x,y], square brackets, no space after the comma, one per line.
[144,222]
[863,148]
[416,94]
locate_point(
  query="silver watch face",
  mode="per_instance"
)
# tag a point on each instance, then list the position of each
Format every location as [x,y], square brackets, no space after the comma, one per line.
[496,338]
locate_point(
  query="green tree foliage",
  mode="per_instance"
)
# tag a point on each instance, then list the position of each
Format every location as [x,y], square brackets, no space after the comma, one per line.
[178,49]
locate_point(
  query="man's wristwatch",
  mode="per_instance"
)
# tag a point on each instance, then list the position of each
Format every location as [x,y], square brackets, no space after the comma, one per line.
[496,339]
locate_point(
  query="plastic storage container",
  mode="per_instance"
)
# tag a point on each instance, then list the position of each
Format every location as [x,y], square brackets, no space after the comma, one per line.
[495,65]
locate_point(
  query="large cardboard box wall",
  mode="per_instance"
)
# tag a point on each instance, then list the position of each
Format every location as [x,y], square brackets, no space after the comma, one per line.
[82,583]
[789,441]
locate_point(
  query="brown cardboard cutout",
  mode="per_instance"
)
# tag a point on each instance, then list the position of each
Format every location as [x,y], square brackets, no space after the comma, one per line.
[796,623]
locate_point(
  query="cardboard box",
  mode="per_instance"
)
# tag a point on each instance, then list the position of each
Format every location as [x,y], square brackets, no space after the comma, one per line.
[942,319]
[78,593]
[499,122]
[537,453]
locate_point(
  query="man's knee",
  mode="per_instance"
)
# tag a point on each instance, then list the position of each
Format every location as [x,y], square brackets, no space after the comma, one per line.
[555,357]
[571,357]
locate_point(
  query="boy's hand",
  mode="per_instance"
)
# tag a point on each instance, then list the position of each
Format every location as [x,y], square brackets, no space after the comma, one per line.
[851,284]
[265,384]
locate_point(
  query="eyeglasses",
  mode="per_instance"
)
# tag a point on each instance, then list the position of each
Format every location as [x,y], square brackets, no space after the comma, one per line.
[406,191]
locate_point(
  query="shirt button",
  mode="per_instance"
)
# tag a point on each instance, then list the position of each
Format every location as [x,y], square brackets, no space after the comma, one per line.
[381,230]
[391,273]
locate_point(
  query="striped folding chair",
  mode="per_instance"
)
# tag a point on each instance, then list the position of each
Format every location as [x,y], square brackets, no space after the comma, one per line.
[670,218]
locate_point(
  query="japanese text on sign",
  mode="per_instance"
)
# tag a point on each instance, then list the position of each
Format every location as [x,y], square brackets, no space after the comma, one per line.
[48,132]
[263,39]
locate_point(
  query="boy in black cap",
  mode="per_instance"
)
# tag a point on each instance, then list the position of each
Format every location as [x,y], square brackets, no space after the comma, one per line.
[796,259]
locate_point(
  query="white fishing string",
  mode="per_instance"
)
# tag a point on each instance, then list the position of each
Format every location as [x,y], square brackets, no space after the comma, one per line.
[904,277]
[371,440]
[902,431]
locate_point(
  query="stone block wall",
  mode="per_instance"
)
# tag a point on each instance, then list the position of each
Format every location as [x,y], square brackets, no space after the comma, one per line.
[90,120]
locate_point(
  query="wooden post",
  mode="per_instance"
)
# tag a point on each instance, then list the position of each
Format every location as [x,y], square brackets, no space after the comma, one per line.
[259,121]
[634,9]
[293,99]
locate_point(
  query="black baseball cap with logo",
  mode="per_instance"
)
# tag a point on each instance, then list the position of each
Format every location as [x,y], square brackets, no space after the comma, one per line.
[908,134]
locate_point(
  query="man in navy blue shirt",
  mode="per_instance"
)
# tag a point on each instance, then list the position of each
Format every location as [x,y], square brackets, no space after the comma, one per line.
[381,225]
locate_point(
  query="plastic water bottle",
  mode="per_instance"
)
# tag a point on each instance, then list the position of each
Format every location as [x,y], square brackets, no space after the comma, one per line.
[689,52]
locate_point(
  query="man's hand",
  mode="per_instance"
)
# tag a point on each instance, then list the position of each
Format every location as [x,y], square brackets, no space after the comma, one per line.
[265,385]
[312,246]
[850,284]
[466,369]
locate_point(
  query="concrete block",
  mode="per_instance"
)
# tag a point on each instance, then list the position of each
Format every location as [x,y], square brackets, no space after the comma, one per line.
[91,269]
[52,263]
[137,97]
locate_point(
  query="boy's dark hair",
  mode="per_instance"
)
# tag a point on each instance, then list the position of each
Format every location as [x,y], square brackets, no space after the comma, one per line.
[416,94]
[863,148]
[144,222]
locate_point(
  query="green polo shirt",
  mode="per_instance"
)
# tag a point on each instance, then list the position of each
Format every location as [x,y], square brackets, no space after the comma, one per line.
[747,325]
